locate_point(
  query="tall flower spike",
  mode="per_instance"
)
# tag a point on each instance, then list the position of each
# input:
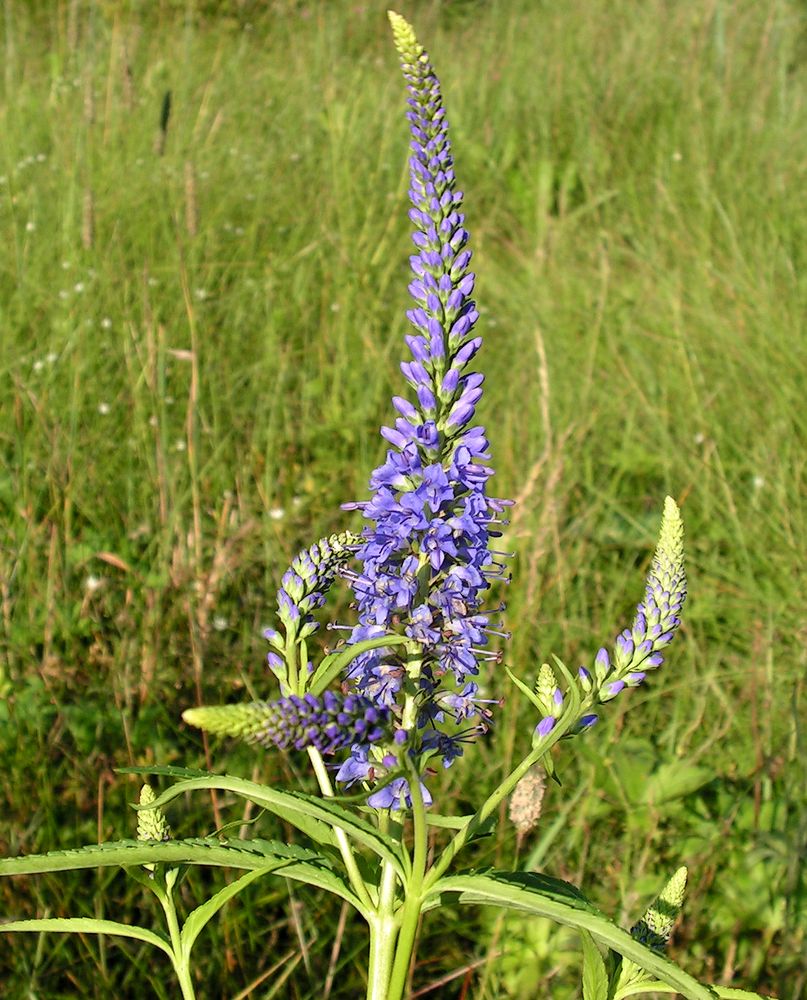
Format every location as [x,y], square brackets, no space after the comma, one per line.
[329,723]
[424,560]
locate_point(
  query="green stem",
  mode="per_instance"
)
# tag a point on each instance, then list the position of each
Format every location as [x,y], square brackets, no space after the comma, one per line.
[180,959]
[462,837]
[410,913]
[356,881]
[383,937]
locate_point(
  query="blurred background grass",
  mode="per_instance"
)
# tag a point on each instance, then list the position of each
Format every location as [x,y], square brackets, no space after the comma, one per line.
[201,326]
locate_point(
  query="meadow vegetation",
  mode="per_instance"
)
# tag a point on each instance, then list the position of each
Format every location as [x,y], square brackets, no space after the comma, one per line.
[202,311]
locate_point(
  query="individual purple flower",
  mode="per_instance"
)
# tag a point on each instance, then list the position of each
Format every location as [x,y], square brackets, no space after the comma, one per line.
[425,564]
[397,795]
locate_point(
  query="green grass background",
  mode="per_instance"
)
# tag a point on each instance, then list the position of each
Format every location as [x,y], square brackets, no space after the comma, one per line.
[199,336]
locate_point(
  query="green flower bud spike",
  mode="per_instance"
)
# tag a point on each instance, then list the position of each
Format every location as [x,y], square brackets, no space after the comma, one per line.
[545,687]
[655,927]
[151,824]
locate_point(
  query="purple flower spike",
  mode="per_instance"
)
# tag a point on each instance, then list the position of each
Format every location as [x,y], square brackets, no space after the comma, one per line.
[329,723]
[424,559]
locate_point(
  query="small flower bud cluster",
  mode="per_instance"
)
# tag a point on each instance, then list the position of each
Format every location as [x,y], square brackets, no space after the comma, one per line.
[527,800]
[151,824]
[329,723]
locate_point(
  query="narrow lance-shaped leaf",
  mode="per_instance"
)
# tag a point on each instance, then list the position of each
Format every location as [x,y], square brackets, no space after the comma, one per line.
[561,902]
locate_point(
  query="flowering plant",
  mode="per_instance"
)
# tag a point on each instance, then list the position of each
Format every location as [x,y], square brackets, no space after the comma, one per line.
[401,693]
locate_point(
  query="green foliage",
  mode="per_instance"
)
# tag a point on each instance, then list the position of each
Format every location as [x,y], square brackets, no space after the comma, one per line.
[199,344]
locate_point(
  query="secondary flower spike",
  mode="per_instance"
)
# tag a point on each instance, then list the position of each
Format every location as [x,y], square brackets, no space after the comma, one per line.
[328,723]
[303,588]
[425,559]
[637,649]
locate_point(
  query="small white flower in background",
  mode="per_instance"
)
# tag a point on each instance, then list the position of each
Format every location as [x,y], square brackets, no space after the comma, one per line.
[699,438]
[104,408]
[296,501]
[93,583]
[153,282]
[66,265]
[78,287]
[277,513]
[51,357]
[41,157]
[200,294]
[64,294]
[106,323]
[759,482]
[38,366]
[179,444]
[153,421]
[677,157]
[220,623]
[30,226]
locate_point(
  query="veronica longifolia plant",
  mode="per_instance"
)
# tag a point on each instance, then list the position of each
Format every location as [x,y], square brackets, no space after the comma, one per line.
[400,694]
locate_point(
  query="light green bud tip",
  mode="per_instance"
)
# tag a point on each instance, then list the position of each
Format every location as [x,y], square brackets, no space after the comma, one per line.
[151,824]
[228,720]
[656,925]
[670,547]
[404,37]
[545,687]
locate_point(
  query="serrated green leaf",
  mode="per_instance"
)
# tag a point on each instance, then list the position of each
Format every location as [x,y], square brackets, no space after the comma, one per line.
[262,856]
[334,664]
[595,978]
[248,854]
[318,817]
[723,992]
[731,993]
[168,770]
[87,925]
[548,897]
